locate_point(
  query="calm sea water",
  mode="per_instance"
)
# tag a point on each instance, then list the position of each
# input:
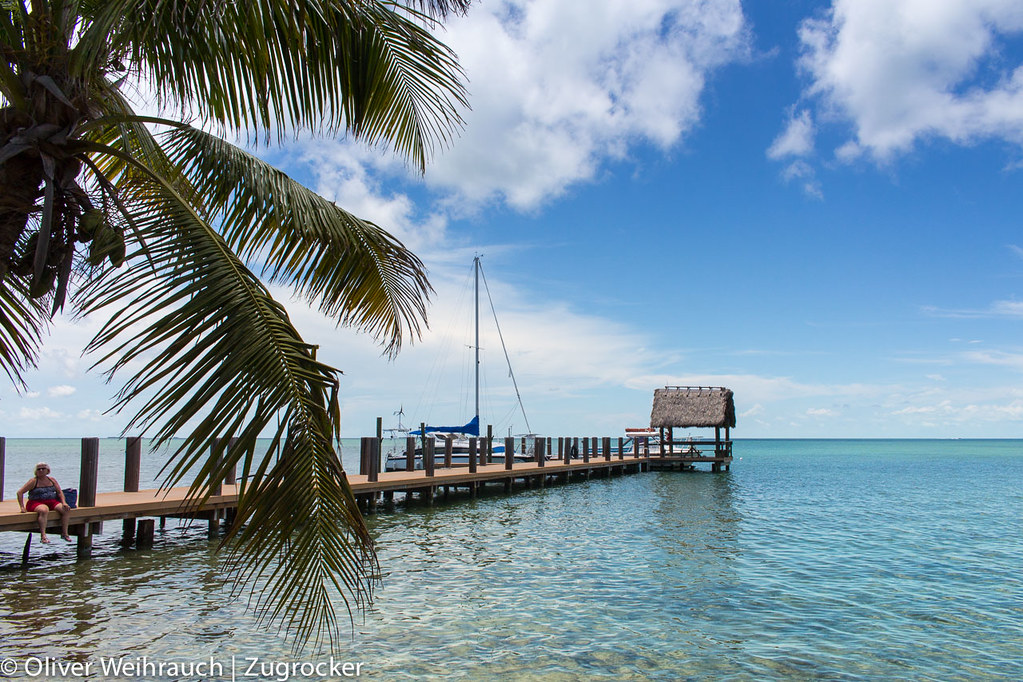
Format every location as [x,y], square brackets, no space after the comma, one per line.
[809,560]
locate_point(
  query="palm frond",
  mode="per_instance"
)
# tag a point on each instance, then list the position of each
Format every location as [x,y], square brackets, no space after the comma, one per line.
[362,66]
[23,320]
[211,354]
[354,271]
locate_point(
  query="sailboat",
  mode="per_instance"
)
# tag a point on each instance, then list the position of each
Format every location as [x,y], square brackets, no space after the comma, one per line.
[397,460]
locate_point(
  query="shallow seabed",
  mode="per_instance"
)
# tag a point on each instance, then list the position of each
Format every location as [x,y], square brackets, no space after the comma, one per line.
[809,560]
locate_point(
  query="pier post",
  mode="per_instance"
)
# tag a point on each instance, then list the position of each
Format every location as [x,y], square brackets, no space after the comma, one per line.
[541,455]
[213,519]
[586,450]
[132,478]
[364,456]
[606,445]
[410,453]
[472,455]
[374,460]
[3,465]
[449,448]
[509,453]
[231,478]
[145,534]
[489,459]
[561,449]
[369,458]
[428,451]
[621,448]
[524,446]
[218,451]
[231,475]
[87,483]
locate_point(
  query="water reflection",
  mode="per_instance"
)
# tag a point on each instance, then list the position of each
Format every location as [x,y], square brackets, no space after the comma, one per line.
[774,570]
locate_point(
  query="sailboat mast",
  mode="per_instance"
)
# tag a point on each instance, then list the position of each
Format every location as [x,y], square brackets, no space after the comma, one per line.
[476,289]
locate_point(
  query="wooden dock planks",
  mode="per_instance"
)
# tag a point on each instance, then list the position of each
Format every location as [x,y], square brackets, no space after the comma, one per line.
[147,503]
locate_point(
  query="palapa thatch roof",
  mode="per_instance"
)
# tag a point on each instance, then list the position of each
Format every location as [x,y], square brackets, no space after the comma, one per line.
[692,406]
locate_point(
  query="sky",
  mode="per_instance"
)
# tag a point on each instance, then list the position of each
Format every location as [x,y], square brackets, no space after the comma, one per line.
[814,204]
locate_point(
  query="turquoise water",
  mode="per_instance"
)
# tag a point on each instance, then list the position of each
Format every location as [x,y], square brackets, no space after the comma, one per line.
[809,560]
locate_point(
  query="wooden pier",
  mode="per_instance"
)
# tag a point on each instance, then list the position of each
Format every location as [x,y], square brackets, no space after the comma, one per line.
[595,457]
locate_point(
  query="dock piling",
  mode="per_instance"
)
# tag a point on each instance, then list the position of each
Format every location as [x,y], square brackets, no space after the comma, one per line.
[145,534]
[87,484]
[410,453]
[428,452]
[132,478]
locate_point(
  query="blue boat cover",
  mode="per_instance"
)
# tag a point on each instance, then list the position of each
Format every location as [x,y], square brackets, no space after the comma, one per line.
[470,429]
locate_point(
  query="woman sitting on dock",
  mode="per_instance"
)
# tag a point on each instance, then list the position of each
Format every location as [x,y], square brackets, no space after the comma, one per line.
[44,496]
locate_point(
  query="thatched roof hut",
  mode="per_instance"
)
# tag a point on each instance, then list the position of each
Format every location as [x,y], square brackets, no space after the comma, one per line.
[692,406]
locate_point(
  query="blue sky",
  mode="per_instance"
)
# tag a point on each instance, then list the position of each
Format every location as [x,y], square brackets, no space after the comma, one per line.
[815,204]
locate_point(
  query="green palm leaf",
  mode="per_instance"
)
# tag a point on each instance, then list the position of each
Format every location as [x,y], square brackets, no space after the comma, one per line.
[22,323]
[220,359]
[192,222]
[361,66]
[353,270]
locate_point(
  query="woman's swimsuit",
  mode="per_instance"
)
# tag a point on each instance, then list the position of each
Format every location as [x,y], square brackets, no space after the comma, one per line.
[42,494]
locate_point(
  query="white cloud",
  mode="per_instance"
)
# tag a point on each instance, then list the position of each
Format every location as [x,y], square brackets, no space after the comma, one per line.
[558,88]
[39,413]
[821,412]
[1005,309]
[998,358]
[796,140]
[60,391]
[753,411]
[902,71]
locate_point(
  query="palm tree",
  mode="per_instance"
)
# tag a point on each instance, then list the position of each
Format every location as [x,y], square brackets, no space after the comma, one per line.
[170,232]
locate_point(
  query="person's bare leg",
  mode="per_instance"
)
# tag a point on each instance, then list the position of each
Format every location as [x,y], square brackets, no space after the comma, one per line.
[65,516]
[43,512]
